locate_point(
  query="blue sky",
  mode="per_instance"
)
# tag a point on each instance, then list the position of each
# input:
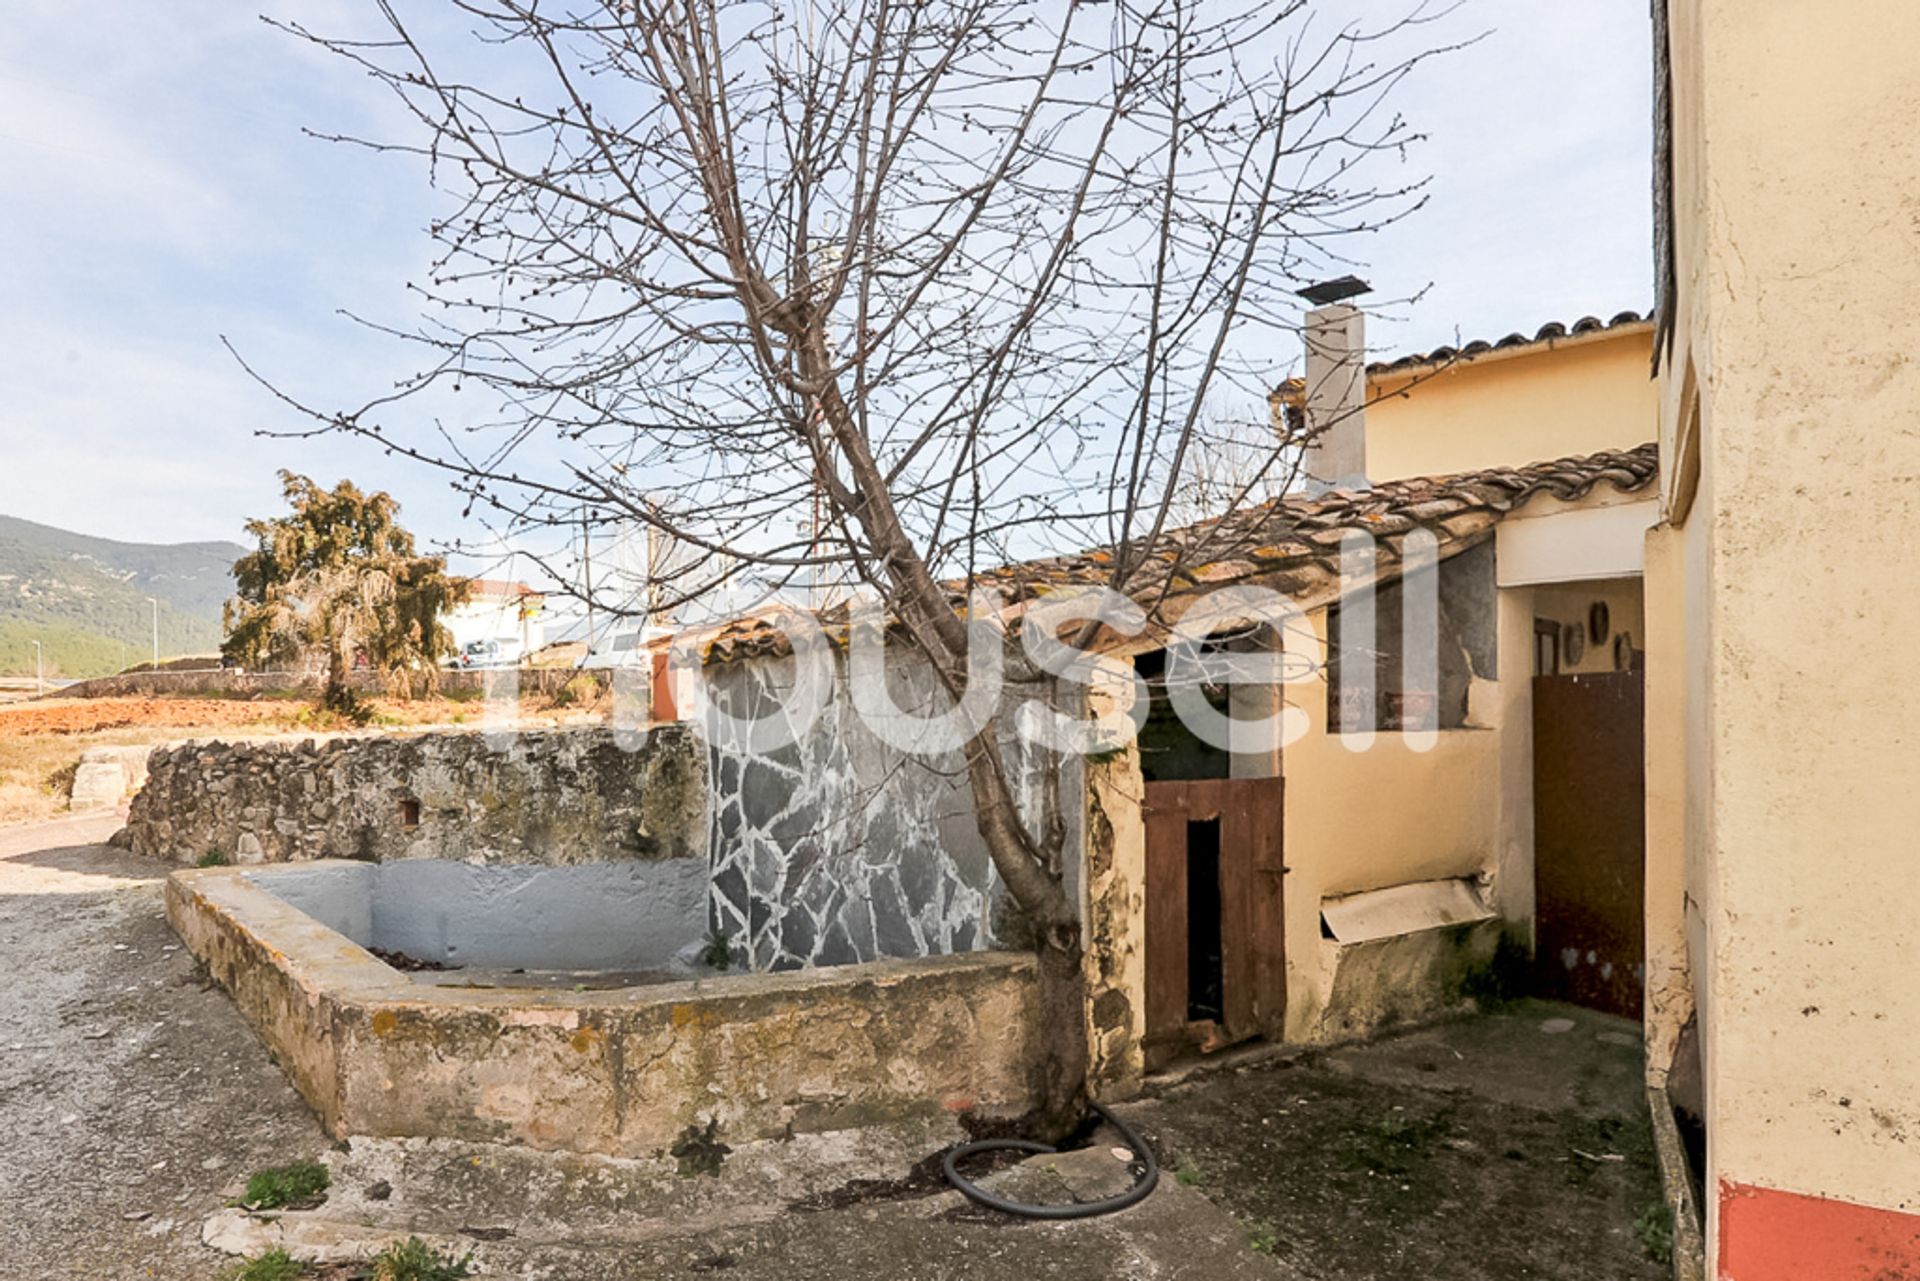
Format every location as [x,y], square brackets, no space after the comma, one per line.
[159,194]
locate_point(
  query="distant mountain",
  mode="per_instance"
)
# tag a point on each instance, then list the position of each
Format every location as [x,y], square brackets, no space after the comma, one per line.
[85,599]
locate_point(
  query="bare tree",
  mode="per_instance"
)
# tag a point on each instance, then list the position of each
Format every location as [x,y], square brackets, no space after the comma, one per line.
[958,277]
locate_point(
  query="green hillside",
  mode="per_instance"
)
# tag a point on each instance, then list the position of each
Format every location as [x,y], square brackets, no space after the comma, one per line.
[85,599]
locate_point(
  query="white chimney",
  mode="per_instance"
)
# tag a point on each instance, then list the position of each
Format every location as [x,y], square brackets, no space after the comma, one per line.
[1336,386]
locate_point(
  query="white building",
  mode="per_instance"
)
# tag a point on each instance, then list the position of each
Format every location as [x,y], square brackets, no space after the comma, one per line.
[512,616]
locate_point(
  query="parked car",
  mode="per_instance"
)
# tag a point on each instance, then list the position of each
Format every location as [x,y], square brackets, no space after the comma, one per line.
[488,655]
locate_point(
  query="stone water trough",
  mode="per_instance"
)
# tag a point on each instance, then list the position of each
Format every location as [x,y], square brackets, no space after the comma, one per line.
[581,1016]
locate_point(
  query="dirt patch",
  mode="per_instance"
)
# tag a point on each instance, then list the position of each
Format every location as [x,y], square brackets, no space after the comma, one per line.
[1415,1159]
[92,715]
[411,964]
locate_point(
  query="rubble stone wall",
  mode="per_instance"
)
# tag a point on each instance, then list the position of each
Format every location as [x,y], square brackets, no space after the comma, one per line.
[552,796]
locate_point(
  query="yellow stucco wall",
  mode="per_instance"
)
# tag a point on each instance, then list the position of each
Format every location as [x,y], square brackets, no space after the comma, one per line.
[1573,396]
[1340,838]
[1669,986]
[1569,605]
[1797,199]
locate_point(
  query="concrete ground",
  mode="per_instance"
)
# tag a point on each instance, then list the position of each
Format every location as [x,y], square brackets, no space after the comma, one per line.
[1510,1146]
[134,1101]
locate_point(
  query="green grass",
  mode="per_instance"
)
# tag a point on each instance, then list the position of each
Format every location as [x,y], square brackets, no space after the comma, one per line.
[212,858]
[1188,1175]
[1262,1238]
[1654,1229]
[283,1185]
[415,1260]
[274,1265]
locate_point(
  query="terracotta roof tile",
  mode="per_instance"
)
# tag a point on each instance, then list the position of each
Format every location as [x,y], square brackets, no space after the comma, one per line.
[1288,544]
[1552,331]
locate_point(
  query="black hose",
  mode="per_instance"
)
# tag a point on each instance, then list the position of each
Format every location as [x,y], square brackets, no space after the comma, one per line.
[1079,1209]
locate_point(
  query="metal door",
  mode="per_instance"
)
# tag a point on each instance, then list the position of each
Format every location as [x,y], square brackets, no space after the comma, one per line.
[1589,840]
[1215,955]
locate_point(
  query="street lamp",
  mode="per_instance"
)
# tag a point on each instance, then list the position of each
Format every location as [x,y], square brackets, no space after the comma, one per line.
[156,632]
[39,670]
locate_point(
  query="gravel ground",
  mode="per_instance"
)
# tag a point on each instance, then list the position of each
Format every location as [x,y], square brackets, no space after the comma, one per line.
[131,1094]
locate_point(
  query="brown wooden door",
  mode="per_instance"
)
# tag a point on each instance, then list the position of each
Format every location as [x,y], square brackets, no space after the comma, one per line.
[1215,958]
[1589,840]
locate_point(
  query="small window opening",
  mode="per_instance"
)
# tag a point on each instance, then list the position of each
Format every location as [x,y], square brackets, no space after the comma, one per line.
[409,813]
[1169,750]
[1206,998]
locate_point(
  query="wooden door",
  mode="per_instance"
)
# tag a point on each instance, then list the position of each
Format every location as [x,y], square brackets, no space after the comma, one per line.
[1589,840]
[1215,958]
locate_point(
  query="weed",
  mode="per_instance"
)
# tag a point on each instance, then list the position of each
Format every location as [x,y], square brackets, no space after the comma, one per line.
[274,1265]
[1188,1175]
[415,1260]
[212,858]
[348,712]
[59,783]
[1408,1132]
[582,691]
[1262,1238]
[304,1183]
[717,955]
[1503,980]
[1654,1230]
[700,1151]
[1396,1142]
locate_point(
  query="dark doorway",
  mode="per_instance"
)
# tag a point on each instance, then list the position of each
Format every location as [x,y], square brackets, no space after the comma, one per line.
[1589,840]
[1204,979]
[1215,950]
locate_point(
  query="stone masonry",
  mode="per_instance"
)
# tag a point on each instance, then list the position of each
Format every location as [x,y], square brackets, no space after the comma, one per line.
[553,796]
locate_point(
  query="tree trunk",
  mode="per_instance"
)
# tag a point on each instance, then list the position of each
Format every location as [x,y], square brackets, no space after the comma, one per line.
[338,695]
[1060,1035]
[1034,879]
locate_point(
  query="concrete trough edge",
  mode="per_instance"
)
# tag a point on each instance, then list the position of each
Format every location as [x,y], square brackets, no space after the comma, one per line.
[616,1071]
[1689,1240]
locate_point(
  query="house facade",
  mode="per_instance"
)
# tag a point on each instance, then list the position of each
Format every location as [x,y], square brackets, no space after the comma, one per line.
[1781,892]
[1260,888]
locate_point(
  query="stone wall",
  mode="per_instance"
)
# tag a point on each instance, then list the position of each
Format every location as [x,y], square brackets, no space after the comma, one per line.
[221,683]
[549,796]
[839,847]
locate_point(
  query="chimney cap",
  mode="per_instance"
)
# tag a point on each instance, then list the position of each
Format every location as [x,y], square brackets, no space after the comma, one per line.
[1328,292]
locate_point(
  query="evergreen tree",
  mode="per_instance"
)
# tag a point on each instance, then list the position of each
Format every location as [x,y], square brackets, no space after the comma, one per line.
[339,581]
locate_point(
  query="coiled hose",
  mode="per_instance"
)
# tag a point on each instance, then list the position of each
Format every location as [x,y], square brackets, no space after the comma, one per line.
[1079,1209]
